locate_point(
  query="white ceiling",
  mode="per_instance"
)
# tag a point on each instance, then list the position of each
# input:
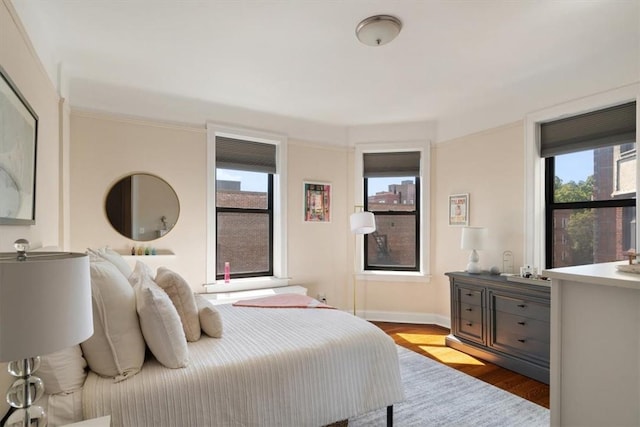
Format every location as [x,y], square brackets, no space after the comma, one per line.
[465,65]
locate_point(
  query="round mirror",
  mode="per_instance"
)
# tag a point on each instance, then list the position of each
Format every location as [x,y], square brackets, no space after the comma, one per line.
[142,207]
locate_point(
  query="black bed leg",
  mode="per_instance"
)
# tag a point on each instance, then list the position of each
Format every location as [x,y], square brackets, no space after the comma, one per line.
[390,416]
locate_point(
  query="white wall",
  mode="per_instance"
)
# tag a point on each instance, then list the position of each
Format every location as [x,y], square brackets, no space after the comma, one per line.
[104,149]
[318,257]
[19,61]
[488,165]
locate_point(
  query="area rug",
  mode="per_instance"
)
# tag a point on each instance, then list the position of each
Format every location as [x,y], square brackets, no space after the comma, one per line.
[437,395]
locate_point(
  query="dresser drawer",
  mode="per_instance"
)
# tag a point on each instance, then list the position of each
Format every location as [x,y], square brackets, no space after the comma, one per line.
[508,323]
[470,329]
[471,312]
[469,295]
[521,307]
[526,345]
[468,323]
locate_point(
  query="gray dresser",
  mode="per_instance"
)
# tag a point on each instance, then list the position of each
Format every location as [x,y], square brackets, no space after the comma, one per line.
[501,321]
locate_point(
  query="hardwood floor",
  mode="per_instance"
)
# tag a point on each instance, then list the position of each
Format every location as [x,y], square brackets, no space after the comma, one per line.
[428,340]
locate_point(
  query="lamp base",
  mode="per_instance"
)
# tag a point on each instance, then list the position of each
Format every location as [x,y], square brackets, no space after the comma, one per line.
[24,391]
[33,416]
[474,266]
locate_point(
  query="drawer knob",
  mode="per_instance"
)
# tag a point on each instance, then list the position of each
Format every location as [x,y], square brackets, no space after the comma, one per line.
[522,305]
[521,323]
[469,324]
[469,294]
[522,341]
[468,309]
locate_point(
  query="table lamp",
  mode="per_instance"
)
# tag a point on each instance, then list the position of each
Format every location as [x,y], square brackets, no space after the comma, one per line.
[473,239]
[45,306]
[362,222]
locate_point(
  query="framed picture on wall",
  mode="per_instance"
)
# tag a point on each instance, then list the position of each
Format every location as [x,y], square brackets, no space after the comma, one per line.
[317,201]
[18,139]
[459,209]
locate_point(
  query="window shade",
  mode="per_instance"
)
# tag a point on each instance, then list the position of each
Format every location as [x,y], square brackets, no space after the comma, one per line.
[406,163]
[610,126]
[245,155]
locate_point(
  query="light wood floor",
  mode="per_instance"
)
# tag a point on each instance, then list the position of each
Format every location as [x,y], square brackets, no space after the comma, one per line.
[428,340]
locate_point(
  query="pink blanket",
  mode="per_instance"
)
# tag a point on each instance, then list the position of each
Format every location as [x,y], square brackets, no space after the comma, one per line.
[283,301]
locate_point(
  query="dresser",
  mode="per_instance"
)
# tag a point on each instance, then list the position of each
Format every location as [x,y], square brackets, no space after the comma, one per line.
[501,321]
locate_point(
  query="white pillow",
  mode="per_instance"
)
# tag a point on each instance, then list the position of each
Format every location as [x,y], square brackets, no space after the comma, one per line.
[63,408]
[159,320]
[116,348]
[210,319]
[181,295]
[114,258]
[63,371]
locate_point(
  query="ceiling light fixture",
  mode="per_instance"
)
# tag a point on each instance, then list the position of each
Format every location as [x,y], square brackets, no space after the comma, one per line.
[378,30]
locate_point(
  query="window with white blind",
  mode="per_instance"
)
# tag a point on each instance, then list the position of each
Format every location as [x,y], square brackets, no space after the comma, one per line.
[246,225]
[392,189]
[244,207]
[590,186]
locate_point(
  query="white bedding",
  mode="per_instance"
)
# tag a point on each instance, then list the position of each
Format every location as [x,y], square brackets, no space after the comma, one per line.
[272,367]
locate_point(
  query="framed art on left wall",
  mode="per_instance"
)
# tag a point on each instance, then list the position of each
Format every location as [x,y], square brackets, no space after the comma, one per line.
[18,142]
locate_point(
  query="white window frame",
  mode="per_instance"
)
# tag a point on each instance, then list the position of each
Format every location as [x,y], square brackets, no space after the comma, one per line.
[534,244]
[280,272]
[424,147]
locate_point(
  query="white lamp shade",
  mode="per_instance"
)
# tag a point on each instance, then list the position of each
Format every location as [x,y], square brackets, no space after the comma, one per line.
[473,238]
[45,303]
[362,223]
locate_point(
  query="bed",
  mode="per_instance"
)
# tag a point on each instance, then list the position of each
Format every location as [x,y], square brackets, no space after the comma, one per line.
[272,367]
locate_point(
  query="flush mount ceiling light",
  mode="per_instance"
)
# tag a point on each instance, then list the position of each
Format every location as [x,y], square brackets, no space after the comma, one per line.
[378,30]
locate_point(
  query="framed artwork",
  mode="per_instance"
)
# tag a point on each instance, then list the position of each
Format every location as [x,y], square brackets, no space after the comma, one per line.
[459,209]
[317,202]
[18,140]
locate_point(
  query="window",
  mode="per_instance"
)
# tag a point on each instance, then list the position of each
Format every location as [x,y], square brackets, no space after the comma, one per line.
[590,186]
[244,207]
[392,189]
[247,225]
[244,221]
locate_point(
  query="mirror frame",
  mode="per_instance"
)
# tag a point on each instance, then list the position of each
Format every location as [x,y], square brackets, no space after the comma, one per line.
[119,206]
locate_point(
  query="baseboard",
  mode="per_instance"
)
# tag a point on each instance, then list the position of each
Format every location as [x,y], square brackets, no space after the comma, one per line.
[404,317]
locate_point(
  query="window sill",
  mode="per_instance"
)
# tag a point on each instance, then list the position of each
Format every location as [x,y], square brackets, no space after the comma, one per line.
[246,284]
[394,276]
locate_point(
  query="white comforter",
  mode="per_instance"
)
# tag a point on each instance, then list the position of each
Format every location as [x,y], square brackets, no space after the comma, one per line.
[273,367]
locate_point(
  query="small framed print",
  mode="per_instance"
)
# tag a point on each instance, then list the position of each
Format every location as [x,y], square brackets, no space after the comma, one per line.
[459,209]
[317,202]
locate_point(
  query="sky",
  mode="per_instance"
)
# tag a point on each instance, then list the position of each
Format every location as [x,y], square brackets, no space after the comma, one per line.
[569,167]
[574,166]
[251,181]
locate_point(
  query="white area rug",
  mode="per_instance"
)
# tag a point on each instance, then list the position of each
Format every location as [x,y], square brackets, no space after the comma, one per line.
[437,395]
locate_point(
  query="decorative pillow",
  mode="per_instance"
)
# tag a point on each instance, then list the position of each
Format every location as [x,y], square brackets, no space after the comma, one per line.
[159,320]
[114,258]
[182,298]
[116,348]
[63,371]
[210,319]
[63,408]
